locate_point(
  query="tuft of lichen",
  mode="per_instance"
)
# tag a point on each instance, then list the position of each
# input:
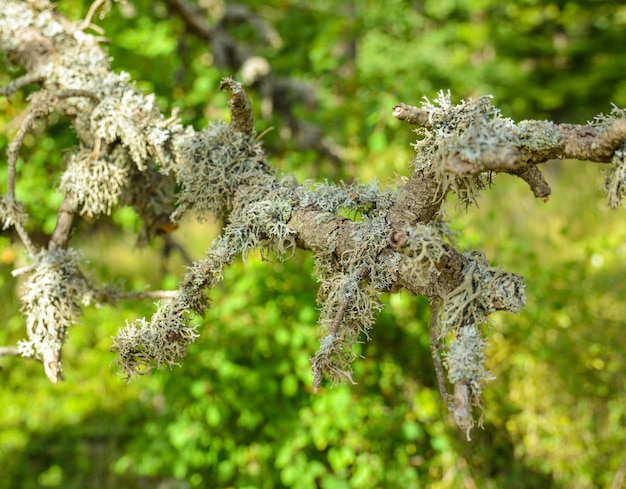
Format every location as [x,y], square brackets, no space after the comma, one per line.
[465,360]
[50,305]
[11,212]
[212,164]
[160,342]
[96,184]
[333,198]
[615,178]
[463,311]
[350,295]
[425,248]
[465,132]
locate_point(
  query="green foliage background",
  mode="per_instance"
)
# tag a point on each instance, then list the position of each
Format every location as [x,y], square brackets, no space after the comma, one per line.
[239,412]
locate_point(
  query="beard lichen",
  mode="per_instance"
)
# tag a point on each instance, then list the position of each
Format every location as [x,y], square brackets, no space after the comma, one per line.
[424,247]
[350,295]
[96,184]
[465,132]
[50,306]
[615,178]
[484,289]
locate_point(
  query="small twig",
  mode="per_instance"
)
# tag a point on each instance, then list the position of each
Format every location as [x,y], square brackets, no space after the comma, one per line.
[585,142]
[25,238]
[260,136]
[86,22]
[241,115]
[20,82]
[411,115]
[435,348]
[14,150]
[536,181]
[78,92]
[111,297]
[9,351]
[194,19]
[62,232]
[21,271]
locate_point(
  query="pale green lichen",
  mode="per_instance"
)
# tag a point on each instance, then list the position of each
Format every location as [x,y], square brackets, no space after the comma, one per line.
[483,290]
[212,164]
[465,359]
[96,184]
[50,305]
[424,248]
[615,178]
[160,342]
[332,198]
[350,291]
[12,212]
[466,131]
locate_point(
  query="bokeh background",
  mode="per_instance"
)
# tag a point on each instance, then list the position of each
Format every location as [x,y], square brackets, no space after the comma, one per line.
[239,412]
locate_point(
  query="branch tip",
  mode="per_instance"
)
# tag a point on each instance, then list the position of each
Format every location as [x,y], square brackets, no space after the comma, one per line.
[241,116]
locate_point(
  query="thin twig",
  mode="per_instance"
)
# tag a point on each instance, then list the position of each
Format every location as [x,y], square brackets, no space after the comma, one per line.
[435,347]
[86,22]
[411,115]
[78,92]
[62,231]
[20,82]
[536,181]
[138,295]
[25,238]
[14,150]
[11,351]
[21,271]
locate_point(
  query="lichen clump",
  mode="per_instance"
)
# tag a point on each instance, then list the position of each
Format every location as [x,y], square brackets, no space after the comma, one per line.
[457,134]
[50,304]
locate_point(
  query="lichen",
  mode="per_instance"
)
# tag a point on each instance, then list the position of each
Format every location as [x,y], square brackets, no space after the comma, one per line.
[463,311]
[424,247]
[160,342]
[50,305]
[11,212]
[466,131]
[211,165]
[615,178]
[96,184]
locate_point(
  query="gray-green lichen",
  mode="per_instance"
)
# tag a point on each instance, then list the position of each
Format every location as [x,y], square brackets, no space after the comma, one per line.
[424,248]
[50,305]
[615,178]
[537,136]
[211,164]
[350,289]
[12,212]
[463,311]
[160,342]
[465,132]
[96,183]
[615,174]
